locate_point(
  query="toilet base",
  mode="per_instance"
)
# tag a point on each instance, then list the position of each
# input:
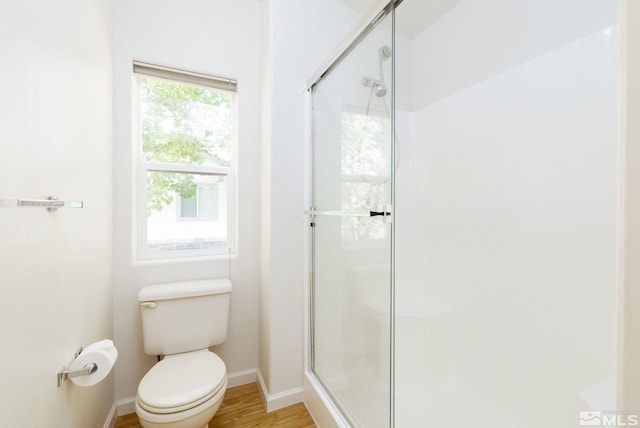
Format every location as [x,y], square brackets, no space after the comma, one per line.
[196,417]
[195,421]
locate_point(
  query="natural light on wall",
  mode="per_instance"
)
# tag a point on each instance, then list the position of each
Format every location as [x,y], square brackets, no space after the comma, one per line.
[186,139]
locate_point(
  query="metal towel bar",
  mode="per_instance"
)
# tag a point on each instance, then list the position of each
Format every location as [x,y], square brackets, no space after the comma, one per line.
[51,203]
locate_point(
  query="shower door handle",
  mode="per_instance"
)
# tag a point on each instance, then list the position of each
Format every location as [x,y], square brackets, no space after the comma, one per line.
[385,213]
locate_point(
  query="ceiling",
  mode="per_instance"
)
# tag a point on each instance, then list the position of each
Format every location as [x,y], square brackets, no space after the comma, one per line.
[412,16]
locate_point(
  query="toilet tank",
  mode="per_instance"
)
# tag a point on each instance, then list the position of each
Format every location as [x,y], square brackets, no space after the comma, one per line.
[184,316]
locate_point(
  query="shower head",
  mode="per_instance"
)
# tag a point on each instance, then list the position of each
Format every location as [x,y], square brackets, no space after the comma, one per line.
[377,86]
[384,53]
[380,90]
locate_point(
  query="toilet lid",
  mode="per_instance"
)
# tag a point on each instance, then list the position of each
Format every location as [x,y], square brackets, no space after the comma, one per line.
[181,381]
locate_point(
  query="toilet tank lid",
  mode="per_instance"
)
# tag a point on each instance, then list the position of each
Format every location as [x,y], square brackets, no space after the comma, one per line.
[178,290]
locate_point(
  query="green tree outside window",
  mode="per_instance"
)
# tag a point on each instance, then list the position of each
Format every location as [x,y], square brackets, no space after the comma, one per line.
[182,124]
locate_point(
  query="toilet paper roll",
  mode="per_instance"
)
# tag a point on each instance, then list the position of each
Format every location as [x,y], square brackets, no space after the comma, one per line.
[103,353]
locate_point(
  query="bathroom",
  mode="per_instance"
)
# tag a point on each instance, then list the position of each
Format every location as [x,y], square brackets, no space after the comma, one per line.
[72,277]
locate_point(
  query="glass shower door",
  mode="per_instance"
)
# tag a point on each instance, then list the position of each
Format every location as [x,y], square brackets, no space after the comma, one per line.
[352,231]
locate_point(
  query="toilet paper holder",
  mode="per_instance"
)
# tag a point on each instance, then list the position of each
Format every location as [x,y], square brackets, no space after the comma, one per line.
[65,374]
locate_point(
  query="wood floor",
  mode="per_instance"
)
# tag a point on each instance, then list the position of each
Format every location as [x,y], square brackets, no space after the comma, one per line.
[242,407]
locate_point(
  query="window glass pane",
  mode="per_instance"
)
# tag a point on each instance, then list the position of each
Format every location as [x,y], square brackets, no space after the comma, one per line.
[184,124]
[206,202]
[167,230]
[188,207]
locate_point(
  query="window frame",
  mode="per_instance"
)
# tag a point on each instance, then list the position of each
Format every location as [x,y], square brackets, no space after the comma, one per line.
[143,167]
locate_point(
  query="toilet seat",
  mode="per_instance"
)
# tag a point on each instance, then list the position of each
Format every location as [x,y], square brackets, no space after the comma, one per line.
[182,381]
[196,416]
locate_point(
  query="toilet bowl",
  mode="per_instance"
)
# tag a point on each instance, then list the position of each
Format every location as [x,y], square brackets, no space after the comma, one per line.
[182,391]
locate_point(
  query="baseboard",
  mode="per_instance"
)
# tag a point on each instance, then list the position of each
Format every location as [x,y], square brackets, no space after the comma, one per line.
[281,399]
[110,422]
[128,405]
[242,378]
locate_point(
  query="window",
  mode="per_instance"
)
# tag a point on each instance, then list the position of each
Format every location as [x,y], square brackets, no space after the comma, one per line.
[186,146]
[203,205]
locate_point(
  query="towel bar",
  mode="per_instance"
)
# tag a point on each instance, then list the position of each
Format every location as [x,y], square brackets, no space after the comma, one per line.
[51,203]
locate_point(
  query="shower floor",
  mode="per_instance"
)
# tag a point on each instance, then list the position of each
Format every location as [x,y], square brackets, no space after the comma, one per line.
[443,405]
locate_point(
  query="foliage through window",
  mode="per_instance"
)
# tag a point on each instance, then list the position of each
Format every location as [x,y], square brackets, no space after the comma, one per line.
[186,147]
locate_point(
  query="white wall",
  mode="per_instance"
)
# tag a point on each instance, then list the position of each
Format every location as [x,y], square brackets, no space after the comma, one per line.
[506,262]
[55,268]
[211,36]
[494,36]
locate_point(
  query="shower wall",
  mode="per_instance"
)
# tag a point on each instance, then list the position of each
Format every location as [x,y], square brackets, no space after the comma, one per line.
[506,209]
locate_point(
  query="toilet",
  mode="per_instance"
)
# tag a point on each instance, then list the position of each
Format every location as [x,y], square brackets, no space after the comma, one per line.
[180,321]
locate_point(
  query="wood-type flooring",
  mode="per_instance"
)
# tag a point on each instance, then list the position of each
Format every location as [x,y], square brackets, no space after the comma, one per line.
[243,407]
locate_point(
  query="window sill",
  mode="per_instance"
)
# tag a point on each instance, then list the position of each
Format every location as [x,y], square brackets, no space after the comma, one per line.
[184,259]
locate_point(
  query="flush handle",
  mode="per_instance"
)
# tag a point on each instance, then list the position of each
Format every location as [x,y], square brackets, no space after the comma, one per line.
[150,305]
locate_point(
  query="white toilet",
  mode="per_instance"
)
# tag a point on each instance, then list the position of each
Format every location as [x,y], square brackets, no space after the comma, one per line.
[180,321]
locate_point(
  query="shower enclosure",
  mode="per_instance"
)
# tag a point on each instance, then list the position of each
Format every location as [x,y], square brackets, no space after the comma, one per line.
[352,229]
[464,218]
